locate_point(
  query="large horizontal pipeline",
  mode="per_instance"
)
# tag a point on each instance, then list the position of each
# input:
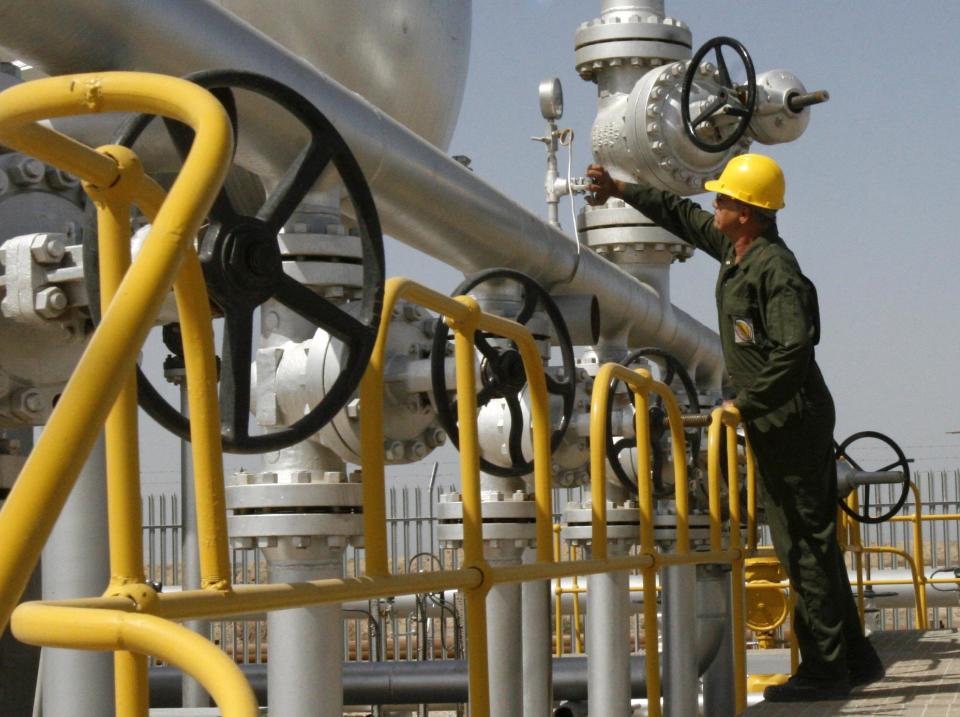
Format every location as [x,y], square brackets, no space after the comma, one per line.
[390,683]
[426,199]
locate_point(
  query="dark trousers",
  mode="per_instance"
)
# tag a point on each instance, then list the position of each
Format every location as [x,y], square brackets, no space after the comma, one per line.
[798,487]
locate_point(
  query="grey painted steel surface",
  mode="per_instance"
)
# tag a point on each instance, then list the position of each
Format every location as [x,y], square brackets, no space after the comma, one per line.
[608,648]
[408,57]
[537,641]
[505,662]
[75,563]
[305,673]
[193,694]
[425,198]
[680,684]
[713,599]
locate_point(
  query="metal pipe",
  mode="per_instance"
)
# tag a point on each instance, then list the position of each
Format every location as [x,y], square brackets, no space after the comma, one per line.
[403,682]
[308,646]
[680,687]
[74,564]
[713,612]
[608,647]
[426,199]
[193,693]
[537,674]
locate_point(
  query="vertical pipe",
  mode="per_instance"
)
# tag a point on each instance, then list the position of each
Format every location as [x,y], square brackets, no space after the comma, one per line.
[193,694]
[74,564]
[505,659]
[719,695]
[537,664]
[680,681]
[608,648]
[305,667]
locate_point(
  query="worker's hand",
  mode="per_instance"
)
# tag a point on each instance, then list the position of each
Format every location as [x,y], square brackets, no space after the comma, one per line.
[604,186]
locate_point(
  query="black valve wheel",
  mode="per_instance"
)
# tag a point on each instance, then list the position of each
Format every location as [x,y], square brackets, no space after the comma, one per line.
[243,268]
[889,460]
[502,374]
[657,414]
[729,98]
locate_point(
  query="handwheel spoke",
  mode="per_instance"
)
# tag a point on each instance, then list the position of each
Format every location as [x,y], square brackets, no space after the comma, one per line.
[488,351]
[890,467]
[515,440]
[856,466]
[318,310]
[722,68]
[711,110]
[485,394]
[296,183]
[235,376]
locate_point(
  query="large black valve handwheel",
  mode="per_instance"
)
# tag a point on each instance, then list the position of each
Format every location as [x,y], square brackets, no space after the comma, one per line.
[729,99]
[657,417]
[502,372]
[243,268]
[900,462]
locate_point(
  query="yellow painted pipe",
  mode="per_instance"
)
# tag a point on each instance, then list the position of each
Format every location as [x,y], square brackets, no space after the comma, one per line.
[51,470]
[92,629]
[678,441]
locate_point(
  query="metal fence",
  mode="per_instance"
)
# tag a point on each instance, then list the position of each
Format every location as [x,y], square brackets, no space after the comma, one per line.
[431,626]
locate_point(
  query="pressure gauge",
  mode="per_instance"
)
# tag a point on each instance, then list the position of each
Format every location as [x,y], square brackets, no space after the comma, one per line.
[551,99]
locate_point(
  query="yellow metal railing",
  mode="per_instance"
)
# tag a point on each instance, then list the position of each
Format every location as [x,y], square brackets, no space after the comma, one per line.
[134,620]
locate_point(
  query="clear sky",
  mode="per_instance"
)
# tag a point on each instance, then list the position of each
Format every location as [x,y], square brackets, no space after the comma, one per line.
[870,185]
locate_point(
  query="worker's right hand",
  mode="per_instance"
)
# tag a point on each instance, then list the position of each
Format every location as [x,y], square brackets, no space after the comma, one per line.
[604,186]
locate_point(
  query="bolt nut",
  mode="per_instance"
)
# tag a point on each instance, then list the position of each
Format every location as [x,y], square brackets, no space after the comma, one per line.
[435,437]
[30,401]
[50,302]
[267,542]
[243,478]
[58,179]
[301,542]
[416,450]
[334,477]
[243,543]
[27,171]
[353,408]
[300,477]
[48,248]
[267,478]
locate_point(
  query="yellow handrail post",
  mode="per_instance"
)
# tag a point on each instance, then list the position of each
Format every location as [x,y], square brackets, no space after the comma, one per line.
[464,330]
[921,573]
[38,496]
[122,448]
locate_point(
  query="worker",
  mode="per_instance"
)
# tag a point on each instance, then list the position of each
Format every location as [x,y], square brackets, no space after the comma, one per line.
[769,325]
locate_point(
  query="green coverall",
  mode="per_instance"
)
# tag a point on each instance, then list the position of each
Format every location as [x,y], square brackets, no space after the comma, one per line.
[769,325]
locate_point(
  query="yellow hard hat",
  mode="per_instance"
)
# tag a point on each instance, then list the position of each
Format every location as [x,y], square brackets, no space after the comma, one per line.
[752,179]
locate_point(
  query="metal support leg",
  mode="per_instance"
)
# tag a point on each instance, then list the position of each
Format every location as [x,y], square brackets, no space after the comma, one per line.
[193,694]
[680,682]
[537,658]
[304,672]
[504,626]
[608,648]
[75,564]
[719,696]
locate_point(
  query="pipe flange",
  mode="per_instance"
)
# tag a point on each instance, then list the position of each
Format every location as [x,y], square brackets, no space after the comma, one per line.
[615,40]
[346,526]
[621,234]
[665,527]
[623,522]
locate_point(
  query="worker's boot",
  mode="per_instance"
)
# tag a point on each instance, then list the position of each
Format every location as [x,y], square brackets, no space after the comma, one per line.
[865,666]
[807,689]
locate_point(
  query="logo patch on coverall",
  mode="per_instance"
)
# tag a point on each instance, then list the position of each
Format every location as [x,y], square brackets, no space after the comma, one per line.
[743,332]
